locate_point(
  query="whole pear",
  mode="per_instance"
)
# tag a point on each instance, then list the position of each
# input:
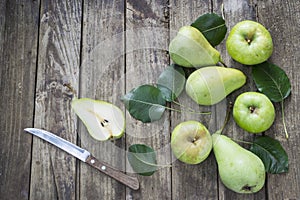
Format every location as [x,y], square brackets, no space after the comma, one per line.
[240,170]
[210,85]
[191,49]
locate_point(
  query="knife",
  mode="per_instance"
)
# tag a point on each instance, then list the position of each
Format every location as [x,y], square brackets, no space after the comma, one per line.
[85,156]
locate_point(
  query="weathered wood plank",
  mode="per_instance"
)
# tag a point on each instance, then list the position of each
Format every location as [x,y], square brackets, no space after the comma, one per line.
[18,51]
[147,38]
[53,173]
[192,181]
[102,78]
[106,73]
[282,18]
[2,24]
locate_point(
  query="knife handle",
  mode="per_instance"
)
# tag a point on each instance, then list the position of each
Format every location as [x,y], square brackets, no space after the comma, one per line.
[130,181]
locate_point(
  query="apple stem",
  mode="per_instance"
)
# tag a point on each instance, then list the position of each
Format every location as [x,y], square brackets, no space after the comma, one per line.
[283,121]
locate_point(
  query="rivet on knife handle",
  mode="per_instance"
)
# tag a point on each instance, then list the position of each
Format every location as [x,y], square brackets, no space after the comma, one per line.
[130,181]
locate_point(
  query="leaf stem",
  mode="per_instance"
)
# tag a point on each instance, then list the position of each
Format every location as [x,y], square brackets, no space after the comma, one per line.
[283,120]
[222,11]
[163,166]
[242,141]
[191,111]
[183,106]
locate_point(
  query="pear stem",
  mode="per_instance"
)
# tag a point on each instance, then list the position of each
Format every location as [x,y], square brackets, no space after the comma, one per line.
[229,107]
[223,64]
[283,121]
[68,85]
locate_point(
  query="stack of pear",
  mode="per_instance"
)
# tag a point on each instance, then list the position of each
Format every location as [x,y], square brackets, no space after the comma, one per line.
[240,170]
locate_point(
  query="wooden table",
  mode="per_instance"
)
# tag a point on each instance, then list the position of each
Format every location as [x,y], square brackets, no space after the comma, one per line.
[104,49]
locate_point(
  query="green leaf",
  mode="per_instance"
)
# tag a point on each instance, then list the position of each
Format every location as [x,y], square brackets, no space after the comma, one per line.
[171,82]
[271,153]
[272,81]
[212,26]
[142,159]
[145,103]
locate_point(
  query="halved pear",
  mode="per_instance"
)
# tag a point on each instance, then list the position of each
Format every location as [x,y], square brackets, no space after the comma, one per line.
[103,120]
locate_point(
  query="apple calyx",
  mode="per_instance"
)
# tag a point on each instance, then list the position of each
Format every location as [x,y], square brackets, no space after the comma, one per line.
[252,109]
[248,41]
[195,140]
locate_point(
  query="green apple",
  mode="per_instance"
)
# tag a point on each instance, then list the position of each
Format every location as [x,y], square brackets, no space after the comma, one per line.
[191,142]
[253,112]
[103,120]
[249,43]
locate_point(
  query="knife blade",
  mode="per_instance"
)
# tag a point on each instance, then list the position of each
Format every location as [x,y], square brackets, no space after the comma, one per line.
[85,156]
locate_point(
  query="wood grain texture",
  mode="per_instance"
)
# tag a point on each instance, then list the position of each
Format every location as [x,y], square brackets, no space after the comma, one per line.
[282,18]
[18,51]
[2,24]
[147,37]
[53,172]
[192,181]
[102,78]
[104,49]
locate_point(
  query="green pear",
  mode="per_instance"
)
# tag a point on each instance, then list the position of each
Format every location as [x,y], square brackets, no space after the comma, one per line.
[240,170]
[191,49]
[210,85]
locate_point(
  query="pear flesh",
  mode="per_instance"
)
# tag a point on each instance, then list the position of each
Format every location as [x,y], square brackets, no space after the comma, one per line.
[210,85]
[191,49]
[240,170]
[103,120]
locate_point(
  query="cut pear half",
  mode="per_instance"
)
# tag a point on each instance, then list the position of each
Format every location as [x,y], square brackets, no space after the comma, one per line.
[103,120]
